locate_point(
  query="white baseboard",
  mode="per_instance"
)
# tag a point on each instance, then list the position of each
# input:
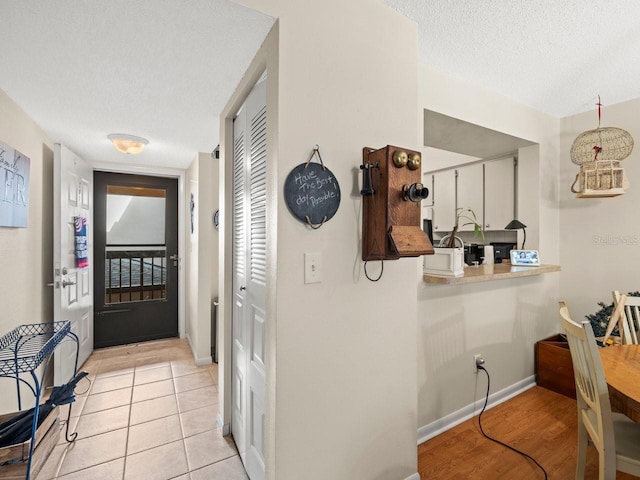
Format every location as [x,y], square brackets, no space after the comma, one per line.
[199,361]
[443,424]
[193,351]
[415,476]
[203,361]
[224,428]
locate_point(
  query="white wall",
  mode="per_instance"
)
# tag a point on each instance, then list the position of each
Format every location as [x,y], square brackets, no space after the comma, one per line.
[191,258]
[436,159]
[26,253]
[343,395]
[501,319]
[600,237]
[201,254]
[211,197]
[135,220]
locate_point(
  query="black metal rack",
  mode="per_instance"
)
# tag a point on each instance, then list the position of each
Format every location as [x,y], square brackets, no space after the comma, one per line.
[23,350]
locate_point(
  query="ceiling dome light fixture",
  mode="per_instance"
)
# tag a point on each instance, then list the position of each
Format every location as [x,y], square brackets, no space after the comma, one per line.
[129,144]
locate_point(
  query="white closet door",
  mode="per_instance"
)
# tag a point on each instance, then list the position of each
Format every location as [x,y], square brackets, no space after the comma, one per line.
[249,322]
[239,363]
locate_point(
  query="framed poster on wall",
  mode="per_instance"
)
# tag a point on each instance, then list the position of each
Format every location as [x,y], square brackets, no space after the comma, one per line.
[14,187]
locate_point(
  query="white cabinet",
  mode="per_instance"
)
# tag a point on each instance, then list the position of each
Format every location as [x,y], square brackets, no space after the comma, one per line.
[488,188]
[470,193]
[427,181]
[444,200]
[499,193]
[427,203]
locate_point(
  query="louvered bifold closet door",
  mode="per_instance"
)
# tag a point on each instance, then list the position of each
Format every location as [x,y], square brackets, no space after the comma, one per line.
[258,195]
[250,280]
[239,197]
[257,271]
[239,331]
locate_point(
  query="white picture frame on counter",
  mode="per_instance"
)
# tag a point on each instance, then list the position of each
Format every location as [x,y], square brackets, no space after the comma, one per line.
[525,258]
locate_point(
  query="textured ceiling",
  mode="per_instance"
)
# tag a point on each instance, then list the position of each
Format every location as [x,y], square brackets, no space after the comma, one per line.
[553,55]
[159,69]
[164,69]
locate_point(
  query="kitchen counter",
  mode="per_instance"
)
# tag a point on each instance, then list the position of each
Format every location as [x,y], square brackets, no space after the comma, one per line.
[486,273]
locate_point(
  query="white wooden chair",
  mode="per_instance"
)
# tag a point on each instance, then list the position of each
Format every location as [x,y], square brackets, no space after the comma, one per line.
[615,437]
[618,318]
[629,331]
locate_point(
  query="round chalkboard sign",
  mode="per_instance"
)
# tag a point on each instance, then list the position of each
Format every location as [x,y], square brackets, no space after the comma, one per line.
[312,193]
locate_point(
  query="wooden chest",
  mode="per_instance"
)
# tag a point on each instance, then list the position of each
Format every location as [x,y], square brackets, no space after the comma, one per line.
[554,369]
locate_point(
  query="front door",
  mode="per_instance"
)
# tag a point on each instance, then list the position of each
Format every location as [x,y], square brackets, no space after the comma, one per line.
[249,281]
[73,264]
[136,256]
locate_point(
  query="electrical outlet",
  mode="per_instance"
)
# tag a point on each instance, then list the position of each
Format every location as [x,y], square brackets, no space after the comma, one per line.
[478,360]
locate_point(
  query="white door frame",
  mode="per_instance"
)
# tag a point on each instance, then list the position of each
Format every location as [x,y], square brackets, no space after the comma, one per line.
[181,176]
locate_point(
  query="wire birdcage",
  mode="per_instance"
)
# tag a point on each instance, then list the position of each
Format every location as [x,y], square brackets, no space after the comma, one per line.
[598,153]
[606,143]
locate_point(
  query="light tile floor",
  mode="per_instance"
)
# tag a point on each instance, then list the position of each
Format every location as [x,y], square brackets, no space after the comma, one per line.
[149,413]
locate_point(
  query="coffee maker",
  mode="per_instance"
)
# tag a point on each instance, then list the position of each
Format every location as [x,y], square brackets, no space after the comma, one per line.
[473,253]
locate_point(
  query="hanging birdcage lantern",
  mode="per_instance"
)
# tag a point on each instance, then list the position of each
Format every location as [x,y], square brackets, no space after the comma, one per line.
[598,153]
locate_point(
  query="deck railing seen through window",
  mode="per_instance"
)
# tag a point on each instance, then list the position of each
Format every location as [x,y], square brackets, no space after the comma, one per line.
[134,274]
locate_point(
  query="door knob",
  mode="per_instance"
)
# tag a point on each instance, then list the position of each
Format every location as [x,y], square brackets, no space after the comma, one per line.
[65,283]
[243,288]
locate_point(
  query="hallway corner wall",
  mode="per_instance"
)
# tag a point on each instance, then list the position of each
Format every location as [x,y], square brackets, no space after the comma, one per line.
[201,254]
[26,253]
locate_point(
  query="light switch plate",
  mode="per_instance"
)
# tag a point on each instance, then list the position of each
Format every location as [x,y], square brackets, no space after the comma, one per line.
[312,267]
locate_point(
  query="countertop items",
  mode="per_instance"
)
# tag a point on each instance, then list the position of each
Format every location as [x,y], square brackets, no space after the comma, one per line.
[485,273]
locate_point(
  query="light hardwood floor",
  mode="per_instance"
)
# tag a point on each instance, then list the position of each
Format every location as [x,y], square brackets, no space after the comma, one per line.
[539,422]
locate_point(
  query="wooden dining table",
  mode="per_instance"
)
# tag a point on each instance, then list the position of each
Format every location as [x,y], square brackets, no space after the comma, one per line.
[621,365]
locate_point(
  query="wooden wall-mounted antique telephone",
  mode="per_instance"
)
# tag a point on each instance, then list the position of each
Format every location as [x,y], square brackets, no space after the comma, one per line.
[392,189]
